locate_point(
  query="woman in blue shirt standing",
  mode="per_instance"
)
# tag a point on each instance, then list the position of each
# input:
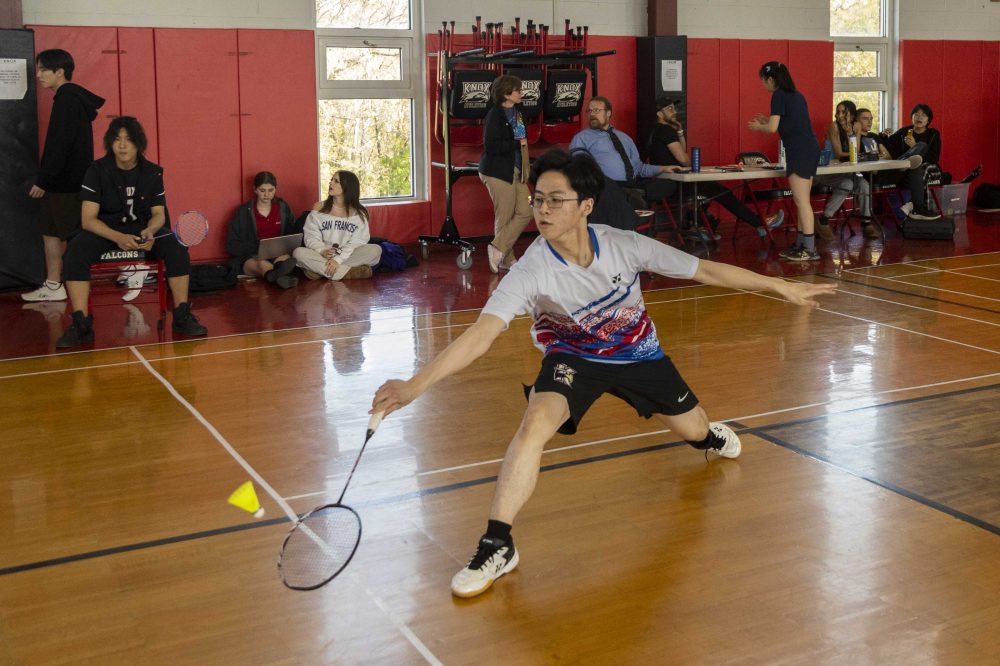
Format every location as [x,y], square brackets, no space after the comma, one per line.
[790,119]
[504,168]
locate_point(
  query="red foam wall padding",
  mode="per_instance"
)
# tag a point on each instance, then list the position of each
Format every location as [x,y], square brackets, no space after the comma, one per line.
[991,109]
[138,78]
[94,52]
[962,106]
[704,94]
[278,112]
[730,111]
[811,66]
[198,110]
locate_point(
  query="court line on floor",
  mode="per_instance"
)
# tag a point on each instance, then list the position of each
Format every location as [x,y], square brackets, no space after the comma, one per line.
[938,289]
[892,326]
[917,307]
[917,262]
[775,412]
[288,511]
[951,271]
[899,490]
[910,293]
[301,342]
[474,482]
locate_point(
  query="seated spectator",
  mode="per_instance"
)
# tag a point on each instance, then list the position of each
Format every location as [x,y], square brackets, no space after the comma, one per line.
[264,216]
[918,138]
[616,154]
[668,146]
[871,143]
[839,134]
[336,234]
[124,207]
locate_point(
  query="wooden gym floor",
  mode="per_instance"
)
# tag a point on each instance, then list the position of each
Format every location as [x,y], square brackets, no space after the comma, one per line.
[860,525]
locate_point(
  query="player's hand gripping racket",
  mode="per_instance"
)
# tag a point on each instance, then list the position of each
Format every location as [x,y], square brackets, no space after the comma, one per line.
[322,542]
[190,229]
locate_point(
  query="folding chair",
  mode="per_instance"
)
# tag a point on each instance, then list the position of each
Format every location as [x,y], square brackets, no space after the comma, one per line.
[104,275]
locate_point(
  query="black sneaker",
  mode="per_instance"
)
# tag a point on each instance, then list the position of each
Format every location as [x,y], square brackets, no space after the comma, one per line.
[924,213]
[80,332]
[801,254]
[186,323]
[493,559]
[280,270]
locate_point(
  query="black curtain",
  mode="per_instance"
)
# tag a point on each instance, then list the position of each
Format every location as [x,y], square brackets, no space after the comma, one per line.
[22,260]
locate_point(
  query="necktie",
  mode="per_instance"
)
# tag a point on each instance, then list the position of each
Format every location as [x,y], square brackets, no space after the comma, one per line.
[617,143]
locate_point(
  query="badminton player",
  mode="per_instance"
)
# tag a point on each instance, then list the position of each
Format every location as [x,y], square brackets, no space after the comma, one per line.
[580,283]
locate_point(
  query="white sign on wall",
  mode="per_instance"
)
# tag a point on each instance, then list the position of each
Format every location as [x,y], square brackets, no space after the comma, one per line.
[671,78]
[13,78]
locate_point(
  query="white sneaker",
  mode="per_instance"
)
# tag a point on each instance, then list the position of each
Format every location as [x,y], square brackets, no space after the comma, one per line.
[136,277]
[45,293]
[493,559]
[907,208]
[732,447]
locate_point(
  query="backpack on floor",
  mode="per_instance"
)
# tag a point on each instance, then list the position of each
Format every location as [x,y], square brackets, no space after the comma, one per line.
[211,277]
[987,197]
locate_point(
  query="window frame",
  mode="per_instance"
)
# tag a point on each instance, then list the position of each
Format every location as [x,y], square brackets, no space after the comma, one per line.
[886,48]
[410,86]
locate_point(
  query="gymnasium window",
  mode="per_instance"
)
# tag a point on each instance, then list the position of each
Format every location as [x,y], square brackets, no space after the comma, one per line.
[864,43]
[369,55]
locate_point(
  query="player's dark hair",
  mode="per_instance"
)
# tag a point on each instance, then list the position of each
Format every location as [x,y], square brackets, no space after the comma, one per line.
[136,134]
[54,59]
[927,111]
[351,187]
[580,169]
[264,178]
[852,115]
[503,86]
[864,110]
[778,72]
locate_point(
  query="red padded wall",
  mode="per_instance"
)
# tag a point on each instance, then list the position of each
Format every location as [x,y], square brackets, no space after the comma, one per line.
[730,111]
[991,109]
[277,93]
[198,110]
[753,98]
[95,55]
[704,94]
[137,64]
[811,65]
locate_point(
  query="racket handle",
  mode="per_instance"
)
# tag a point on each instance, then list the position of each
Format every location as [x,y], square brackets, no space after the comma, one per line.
[374,421]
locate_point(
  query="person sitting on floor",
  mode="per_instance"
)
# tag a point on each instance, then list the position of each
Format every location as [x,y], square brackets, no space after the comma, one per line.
[336,234]
[668,146]
[124,207]
[264,216]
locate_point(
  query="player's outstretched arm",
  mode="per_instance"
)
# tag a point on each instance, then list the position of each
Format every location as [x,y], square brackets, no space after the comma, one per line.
[724,275]
[396,393]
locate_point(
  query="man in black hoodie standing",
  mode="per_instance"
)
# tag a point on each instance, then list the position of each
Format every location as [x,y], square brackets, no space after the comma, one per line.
[68,152]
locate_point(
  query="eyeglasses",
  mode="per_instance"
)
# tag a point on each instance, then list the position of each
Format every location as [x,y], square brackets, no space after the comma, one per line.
[595,111]
[551,202]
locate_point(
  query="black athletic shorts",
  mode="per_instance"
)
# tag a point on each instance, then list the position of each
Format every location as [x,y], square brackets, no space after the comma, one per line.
[59,214]
[651,387]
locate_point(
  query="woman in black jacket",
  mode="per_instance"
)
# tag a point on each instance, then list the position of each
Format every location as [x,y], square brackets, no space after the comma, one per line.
[263,216]
[504,168]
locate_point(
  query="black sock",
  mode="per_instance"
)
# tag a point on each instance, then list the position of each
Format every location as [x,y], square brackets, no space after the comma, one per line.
[711,441]
[498,530]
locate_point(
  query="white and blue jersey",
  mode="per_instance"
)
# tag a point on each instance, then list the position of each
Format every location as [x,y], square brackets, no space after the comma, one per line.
[595,312]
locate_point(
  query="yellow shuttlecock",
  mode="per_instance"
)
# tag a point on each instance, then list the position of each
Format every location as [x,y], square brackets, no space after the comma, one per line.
[246,498]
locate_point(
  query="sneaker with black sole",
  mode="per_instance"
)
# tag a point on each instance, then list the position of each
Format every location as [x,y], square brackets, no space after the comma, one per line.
[924,213]
[80,332]
[789,251]
[281,269]
[186,323]
[287,281]
[493,558]
[732,446]
[801,254]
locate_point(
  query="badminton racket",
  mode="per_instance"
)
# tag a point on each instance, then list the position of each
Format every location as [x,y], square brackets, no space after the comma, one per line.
[322,542]
[190,229]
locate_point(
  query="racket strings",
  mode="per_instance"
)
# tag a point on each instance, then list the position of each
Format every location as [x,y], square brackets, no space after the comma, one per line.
[191,228]
[320,546]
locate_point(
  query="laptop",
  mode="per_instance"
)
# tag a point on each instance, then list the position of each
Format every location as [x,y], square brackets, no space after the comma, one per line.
[270,248]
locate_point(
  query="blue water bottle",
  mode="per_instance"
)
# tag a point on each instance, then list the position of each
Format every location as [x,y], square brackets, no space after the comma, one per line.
[695,160]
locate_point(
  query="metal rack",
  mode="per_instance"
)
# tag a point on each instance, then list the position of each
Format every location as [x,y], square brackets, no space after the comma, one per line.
[488,53]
